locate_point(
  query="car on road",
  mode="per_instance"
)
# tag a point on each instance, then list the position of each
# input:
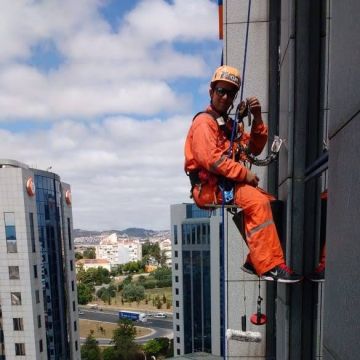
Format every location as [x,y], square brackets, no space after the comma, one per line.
[81,312]
[160,315]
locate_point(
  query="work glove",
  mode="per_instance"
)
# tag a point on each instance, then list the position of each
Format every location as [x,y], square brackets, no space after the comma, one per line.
[255,108]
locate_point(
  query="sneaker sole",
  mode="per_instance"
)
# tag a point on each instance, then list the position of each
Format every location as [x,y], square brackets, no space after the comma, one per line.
[269,278]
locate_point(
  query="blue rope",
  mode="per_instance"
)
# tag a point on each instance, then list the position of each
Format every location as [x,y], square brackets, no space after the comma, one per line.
[235,122]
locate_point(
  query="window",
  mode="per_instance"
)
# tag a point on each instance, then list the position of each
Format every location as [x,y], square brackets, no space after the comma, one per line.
[74,307]
[71,265]
[15,298]
[177,315]
[176,291]
[72,285]
[75,326]
[69,231]
[178,351]
[41,346]
[14,273]
[177,327]
[37,296]
[176,253]
[177,303]
[18,324]
[175,235]
[76,345]
[39,321]
[19,349]
[176,266]
[32,232]
[10,232]
[35,271]
[176,279]
[178,340]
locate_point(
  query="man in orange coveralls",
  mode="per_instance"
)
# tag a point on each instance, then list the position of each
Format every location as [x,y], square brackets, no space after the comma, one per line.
[207,162]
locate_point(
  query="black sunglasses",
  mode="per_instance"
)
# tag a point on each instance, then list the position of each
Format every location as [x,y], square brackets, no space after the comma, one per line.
[222,92]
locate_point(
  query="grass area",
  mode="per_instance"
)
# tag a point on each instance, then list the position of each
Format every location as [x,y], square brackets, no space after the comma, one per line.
[104,330]
[150,294]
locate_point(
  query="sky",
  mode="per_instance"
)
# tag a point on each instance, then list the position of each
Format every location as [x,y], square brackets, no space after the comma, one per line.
[103,92]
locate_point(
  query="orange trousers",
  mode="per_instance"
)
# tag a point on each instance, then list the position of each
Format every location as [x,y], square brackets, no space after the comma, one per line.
[261,234]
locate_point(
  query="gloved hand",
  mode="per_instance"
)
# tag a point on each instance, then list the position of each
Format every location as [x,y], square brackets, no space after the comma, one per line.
[252,179]
[242,109]
[255,107]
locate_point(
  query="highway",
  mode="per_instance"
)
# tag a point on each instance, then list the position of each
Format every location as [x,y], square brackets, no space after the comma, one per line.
[161,327]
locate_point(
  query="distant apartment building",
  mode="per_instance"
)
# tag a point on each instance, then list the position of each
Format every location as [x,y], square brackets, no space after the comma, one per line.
[208,285]
[87,264]
[118,250]
[38,297]
[165,248]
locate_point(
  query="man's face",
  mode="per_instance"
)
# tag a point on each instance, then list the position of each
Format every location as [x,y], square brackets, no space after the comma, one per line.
[222,96]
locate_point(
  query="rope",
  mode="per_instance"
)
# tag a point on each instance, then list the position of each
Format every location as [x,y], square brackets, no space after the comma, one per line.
[236,120]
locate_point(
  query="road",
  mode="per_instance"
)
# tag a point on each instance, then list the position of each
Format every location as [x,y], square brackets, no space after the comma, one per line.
[160,327]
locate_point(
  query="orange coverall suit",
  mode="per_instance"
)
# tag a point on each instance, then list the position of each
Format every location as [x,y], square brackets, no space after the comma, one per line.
[206,149]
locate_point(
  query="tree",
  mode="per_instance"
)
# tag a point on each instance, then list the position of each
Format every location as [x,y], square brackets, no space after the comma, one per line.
[89,253]
[106,293]
[109,353]
[133,292]
[158,346]
[90,350]
[124,340]
[149,249]
[84,293]
[78,256]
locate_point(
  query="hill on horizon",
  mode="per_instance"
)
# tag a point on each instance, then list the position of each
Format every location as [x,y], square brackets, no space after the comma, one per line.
[133,232]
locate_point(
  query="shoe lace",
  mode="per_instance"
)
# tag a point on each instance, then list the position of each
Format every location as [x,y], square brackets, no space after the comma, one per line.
[286,268]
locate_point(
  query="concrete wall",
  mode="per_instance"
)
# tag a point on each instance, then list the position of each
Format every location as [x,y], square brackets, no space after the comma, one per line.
[256,81]
[342,292]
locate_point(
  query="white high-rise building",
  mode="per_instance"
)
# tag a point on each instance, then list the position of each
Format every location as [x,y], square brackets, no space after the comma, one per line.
[38,298]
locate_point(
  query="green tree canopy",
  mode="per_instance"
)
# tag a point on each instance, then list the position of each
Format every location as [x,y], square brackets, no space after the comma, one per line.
[151,249]
[90,350]
[124,340]
[84,293]
[106,293]
[89,253]
[133,292]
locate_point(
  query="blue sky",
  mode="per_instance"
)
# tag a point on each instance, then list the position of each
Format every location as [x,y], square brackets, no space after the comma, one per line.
[104,92]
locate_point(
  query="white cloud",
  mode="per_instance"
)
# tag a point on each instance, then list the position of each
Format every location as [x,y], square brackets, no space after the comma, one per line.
[123,171]
[101,71]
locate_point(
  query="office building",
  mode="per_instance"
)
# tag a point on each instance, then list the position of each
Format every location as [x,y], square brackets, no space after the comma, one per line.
[38,295]
[208,286]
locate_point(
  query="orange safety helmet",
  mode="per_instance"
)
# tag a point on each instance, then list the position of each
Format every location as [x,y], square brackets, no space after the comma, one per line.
[228,74]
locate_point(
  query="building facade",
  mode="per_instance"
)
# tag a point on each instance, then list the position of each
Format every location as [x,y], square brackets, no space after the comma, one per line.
[118,251]
[208,285]
[38,295]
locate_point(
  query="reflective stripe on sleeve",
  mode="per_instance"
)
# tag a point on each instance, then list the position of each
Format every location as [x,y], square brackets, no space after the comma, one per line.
[215,165]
